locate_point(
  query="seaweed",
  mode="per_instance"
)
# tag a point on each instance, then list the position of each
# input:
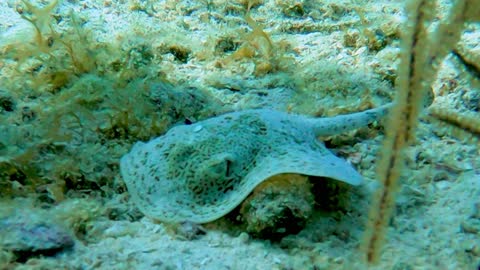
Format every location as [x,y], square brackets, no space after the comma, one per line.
[256,46]
[86,97]
[421,53]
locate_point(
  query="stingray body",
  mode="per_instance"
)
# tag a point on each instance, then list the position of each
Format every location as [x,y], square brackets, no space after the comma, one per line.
[200,172]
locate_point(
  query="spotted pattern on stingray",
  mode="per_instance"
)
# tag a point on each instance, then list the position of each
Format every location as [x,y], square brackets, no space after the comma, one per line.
[202,171]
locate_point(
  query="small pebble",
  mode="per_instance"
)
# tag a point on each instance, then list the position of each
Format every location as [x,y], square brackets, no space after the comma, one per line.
[443,185]
[186,230]
[243,238]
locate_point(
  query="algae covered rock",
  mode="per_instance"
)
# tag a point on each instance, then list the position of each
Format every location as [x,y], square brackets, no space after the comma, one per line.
[279,206]
[29,237]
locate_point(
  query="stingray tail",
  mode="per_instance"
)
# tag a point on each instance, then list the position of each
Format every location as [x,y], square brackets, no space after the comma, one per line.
[343,123]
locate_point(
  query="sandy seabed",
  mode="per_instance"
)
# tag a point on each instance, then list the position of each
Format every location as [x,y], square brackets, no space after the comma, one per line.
[320,58]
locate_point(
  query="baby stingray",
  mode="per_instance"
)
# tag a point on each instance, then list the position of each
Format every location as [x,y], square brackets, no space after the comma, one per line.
[200,172]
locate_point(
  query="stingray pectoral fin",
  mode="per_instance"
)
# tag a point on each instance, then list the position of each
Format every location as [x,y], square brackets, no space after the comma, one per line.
[310,163]
[333,167]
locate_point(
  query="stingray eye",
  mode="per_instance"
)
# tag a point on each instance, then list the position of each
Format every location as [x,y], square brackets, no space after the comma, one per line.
[229,168]
[222,169]
[219,167]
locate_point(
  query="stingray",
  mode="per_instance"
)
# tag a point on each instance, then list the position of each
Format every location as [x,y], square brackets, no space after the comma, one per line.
[200,172]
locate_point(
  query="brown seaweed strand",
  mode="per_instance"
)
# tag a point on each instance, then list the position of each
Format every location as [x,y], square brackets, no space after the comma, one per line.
[421,56]
[400,129]
[469,122]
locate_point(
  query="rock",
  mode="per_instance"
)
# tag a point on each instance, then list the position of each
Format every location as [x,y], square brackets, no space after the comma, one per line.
[185,230]
[278,207]
[26,237]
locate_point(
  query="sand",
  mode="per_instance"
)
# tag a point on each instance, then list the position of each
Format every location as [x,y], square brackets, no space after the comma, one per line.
[318,58]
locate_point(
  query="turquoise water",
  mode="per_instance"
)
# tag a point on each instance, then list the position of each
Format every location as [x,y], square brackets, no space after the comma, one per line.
[82,81]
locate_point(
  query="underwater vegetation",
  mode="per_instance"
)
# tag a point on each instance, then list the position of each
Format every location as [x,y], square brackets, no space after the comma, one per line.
[421,53]
[85,97]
